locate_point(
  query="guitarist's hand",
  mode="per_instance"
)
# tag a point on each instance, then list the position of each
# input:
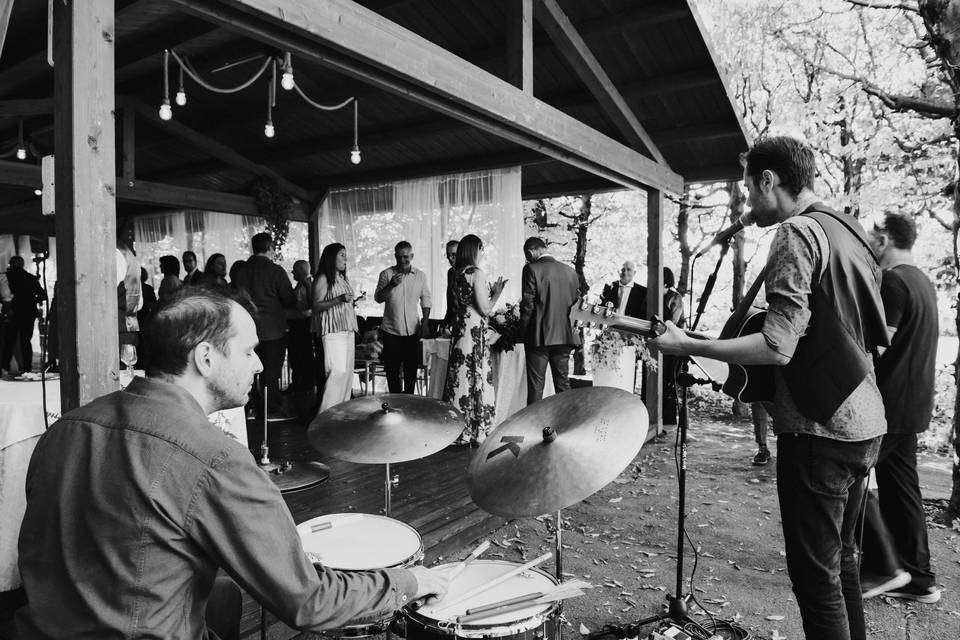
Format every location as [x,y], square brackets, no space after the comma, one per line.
[672,342]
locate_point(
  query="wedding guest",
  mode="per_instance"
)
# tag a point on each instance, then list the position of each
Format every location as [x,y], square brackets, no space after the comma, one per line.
[236,273]
[335,320]
[450,316]
[27,295]
[672,311]
[214,272]
[193,275]
[300,348]
[170,268]
[627,298]
[469,385]
[400,288]
[149,299]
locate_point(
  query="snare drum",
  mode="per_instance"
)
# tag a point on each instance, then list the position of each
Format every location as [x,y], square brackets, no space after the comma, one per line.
[537,622]
[358,542]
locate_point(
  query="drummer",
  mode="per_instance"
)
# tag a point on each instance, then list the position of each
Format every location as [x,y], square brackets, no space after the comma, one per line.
[135,501]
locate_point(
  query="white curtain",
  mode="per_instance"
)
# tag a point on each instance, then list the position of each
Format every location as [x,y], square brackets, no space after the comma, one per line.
[370,220]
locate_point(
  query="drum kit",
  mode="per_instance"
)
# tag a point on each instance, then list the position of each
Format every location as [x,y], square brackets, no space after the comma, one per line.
[542,459]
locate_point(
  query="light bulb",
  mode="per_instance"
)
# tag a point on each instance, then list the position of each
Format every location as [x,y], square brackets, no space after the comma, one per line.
[286,80]
[165,111]
[268,130]
[37,192]
[21,153]
[355,155]
[181,97]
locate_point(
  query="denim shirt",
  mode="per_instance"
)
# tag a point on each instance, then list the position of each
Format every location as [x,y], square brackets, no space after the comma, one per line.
[134,501]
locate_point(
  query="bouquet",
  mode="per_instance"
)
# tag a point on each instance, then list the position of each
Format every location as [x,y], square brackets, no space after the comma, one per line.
[506,323]
[608,346]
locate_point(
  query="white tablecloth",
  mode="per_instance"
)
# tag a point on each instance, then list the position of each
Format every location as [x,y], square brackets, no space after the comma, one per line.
[623,376]
[509,376]
[21,425]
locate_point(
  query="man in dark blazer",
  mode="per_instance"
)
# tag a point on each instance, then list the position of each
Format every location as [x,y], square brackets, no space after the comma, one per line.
[549,289]
[627,298]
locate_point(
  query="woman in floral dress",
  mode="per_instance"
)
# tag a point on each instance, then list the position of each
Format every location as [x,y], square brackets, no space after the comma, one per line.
[469,384]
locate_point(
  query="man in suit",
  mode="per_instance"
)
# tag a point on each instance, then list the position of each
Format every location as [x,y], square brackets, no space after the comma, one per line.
[627,298]
[194,275]
[451,315]
[549,290]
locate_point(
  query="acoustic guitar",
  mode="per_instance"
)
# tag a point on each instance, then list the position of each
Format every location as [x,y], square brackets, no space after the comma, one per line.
[746,383]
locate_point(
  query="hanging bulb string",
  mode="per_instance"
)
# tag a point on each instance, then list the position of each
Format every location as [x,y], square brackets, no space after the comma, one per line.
[166,75]
[272,92]
[317,105]
[195,76]
[355,123]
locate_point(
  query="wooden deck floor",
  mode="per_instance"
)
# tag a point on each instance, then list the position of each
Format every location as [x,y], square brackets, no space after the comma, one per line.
[431,497]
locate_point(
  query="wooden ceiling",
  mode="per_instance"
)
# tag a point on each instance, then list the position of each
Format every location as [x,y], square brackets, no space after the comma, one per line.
[648,81]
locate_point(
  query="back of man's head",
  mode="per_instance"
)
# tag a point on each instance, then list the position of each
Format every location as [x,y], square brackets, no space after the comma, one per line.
[261,243]
[191,316]
[16,262]
[901,228]
[534,243]
[668,278]
[789,158]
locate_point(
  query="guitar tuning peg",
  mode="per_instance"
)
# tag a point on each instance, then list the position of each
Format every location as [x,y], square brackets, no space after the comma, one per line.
[584,305]
[597,310]
[608,313]
[592,325]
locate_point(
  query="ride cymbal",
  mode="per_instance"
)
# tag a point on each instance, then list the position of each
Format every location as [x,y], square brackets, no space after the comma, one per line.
[393,427]
[557,452]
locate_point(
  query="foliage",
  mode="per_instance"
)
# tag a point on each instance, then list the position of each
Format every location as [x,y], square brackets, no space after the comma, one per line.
[275,207]
[607,346]
[506,323]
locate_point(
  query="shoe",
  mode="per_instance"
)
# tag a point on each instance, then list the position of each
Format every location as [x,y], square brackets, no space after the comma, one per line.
[762,457]
[873,586]
[925,595]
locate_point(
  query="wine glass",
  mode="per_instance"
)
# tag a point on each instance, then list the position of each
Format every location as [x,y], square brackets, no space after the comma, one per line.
[128,356]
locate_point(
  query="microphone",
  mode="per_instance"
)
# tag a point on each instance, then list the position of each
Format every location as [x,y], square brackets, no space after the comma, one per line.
[724,236]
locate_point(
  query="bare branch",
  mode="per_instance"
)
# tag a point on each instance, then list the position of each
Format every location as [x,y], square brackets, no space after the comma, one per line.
[875,4]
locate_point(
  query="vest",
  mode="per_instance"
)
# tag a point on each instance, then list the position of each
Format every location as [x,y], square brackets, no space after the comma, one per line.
[847,322]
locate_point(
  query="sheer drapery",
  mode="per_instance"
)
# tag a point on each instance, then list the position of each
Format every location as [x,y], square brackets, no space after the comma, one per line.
[370,220]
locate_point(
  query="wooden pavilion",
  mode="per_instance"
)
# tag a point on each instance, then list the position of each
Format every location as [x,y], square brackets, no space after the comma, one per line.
[585,95]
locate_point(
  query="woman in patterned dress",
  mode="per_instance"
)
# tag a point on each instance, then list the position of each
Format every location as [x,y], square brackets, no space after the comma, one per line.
[469,384]
[335,321]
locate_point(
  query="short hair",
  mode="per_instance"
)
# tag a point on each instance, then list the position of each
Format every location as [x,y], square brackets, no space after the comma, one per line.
[789,158]
[261,242]
[533,243]
[450,243]
[191,316]
[188,253]
[468,251]
[901,228]
[169,266]
[16,262]
[400,246]
[668,279]
[143,275]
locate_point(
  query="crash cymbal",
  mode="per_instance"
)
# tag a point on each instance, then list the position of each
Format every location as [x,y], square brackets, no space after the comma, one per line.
[393,427]
[521,470]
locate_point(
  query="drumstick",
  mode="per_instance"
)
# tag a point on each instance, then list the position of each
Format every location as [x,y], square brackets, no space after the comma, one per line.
[462,565]
[329,524]
[574,585]
[496,581]
[573,593]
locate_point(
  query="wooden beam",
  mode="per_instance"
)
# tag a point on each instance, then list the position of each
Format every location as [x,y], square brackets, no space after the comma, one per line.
[22,108]
[698,133]
[716,173]
[85,188]
[520,44]
[569,188]
[579,56]
[353,40]
[20,174]
[655,301]
[213,147]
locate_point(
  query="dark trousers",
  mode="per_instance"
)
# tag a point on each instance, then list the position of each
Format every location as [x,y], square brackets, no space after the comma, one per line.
[400,352]
[271,354]
[16,335]
[558,356]
[895,529]
[820,483]
[319,370]
[224,608]
[303,368]
[669,397]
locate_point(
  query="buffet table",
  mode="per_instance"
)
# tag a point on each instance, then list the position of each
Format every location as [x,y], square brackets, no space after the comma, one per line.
[509,376]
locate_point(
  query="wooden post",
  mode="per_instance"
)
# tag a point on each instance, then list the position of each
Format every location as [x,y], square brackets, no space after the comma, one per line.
[84,143]
[655,300]
[520,45]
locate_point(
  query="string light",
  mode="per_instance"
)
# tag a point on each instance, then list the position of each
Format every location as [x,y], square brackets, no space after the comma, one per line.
[181,97]
[286,80]
[355,152]
[165,111]
[268,129]
[21,150]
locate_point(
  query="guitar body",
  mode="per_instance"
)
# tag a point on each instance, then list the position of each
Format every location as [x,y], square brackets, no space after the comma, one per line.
[754,382]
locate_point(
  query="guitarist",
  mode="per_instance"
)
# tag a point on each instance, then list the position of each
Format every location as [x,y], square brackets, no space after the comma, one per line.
[824,322]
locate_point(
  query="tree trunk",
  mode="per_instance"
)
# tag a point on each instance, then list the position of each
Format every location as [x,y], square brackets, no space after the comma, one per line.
[683,228]
[852,166]
[582,224]
[954,507]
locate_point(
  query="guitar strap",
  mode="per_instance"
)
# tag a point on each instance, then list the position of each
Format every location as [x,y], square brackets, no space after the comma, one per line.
[732,325]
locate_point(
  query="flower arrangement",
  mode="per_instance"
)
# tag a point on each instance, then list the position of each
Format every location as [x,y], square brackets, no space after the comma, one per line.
[608,346]
[506,323]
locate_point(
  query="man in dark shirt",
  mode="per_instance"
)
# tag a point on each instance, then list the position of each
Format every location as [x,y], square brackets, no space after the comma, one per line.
[135,501]
[271,292]
[194,275]
[626,298]
[896,559]
[451,314]
[27,294]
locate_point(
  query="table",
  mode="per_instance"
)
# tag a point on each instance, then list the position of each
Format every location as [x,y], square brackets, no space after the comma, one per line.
[509,376]
[21,425]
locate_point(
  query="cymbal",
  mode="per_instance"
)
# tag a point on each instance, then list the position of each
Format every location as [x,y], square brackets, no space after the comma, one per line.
[290,476]
[392,427]
[521,471]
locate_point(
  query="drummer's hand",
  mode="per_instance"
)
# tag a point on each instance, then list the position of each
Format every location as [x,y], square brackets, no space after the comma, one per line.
[432,584]
[673,341]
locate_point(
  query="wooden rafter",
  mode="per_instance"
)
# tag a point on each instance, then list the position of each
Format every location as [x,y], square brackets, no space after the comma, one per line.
[23,108]
[575,50]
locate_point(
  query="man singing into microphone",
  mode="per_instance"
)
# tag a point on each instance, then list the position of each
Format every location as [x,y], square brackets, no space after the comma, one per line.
[825,318]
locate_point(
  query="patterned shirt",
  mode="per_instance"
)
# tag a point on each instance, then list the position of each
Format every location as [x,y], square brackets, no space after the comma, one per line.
[799,255]
[338,318]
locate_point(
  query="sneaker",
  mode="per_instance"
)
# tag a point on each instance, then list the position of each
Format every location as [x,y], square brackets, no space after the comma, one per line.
[762,457]
[873,586]
[925,595]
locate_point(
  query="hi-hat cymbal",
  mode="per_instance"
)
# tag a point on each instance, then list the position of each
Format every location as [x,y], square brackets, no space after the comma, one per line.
[521,470]
[291,476]
[393,427]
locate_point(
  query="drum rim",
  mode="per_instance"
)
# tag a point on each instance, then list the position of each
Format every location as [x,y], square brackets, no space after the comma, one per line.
[412,559]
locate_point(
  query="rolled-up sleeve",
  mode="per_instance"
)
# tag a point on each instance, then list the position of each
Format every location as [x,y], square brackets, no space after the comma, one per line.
[793,266]
[426,301]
